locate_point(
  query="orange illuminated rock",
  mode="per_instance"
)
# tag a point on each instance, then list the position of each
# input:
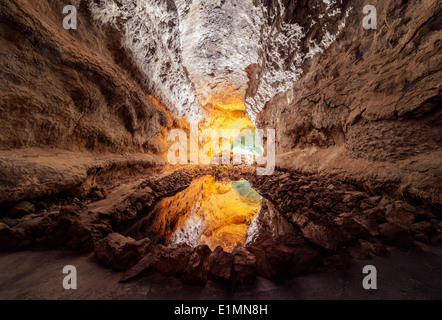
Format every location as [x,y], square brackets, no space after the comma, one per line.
[207,212]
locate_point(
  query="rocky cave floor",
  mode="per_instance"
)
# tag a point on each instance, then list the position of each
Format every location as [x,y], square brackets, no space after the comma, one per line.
[334,229]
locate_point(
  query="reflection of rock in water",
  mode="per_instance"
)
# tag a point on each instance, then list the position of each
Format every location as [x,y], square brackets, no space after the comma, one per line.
[216,214]
[244,188]
[190,231]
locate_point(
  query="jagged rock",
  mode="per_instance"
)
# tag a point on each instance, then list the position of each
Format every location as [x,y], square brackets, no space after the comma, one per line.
[423,213]
[352,229]
[197,270]
[423,227]
[76,229]
[366,250]
[370,219]
[97,194]
[268,220]
[173,259]
[400,213]
[145,265]
[437,240]
[396,235]
[303,257]
[220,264]
[60,232]
[244,266]
[324,234]
[120,252]
[272,257]
[13,238]
[22,209]
[36,227]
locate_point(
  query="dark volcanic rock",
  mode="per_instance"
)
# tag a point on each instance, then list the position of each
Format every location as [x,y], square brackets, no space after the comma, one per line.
[35,227]
[143,266]
[197,270]
[396,235]
[324,234]
[174,259]
[272,257]
[59,233]
[338,261]
[13,238]
[120,252]
[303,257]
[423,227]
[220,264]
[76,229]
[244,266]
[22,209]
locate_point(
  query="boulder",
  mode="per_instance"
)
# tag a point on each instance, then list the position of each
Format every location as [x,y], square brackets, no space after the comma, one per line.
[352,229]
[244,266]
[220,264]
[272,257]
[59,233]
[324,234]
[401,213]
[75,230]
[13,238]
[303,257]
[197,270]
[144,266]
[120,252]
[35,227]
[370,220]
[22,209]
[437,240]
[396,235]
[173,259]
[423,227]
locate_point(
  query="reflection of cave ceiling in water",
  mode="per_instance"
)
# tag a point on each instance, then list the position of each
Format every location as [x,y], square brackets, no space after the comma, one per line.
[208,212]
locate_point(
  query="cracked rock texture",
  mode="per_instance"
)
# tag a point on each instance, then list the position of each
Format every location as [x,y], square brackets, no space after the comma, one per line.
[360,104]
[368,108]
[71,103]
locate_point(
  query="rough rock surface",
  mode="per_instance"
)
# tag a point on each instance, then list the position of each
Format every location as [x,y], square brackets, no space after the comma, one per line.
[142,267]
[220,265]
[272,257]
[68,80]
[76,91]
[367,109]
[120,252]
[197,270]
[85,113]
[174,259]
[244,266]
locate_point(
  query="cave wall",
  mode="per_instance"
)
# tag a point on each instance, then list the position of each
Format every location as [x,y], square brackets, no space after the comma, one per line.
[72,89]
[363,105]
[368,107]
[75,106]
